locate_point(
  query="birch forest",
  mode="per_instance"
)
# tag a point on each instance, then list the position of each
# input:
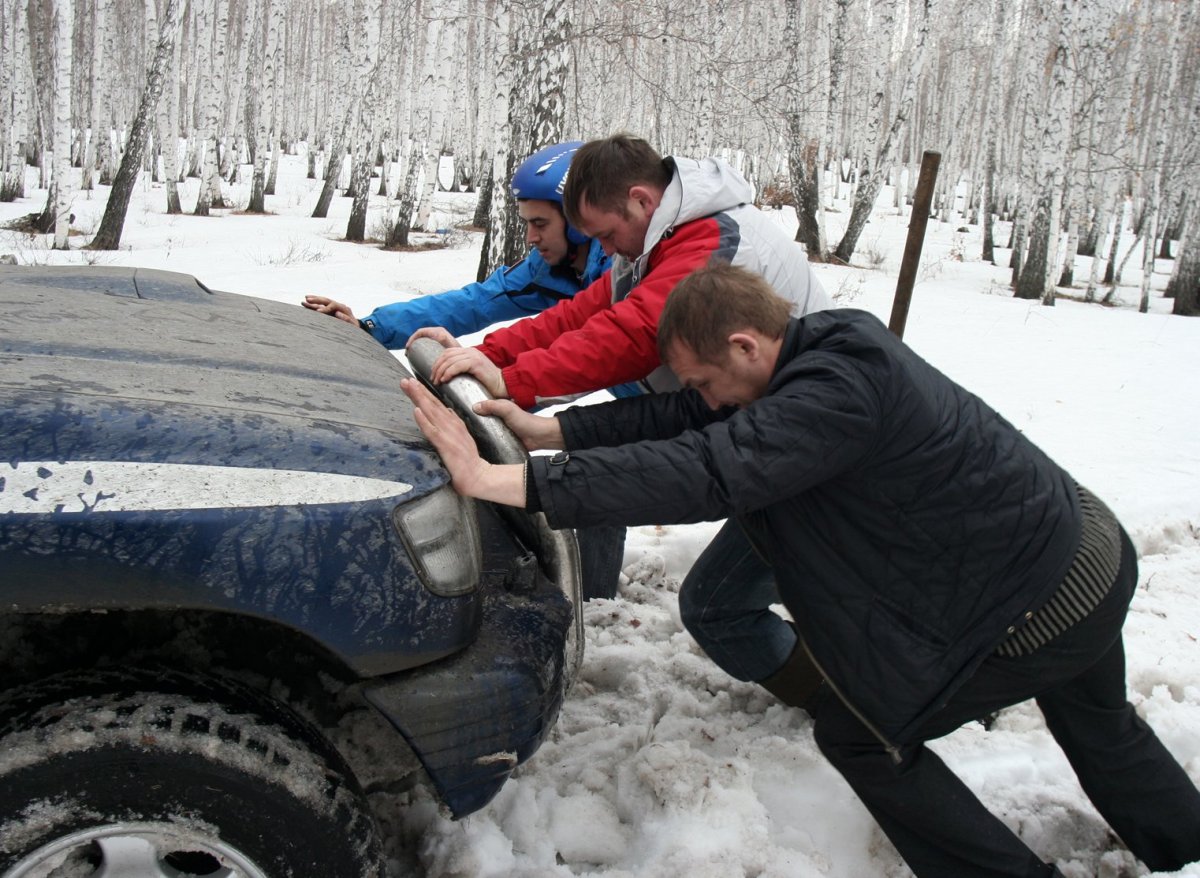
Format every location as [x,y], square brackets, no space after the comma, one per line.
[1068,120]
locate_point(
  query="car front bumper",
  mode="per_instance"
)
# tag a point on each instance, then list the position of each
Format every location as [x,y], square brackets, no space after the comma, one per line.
[474,717]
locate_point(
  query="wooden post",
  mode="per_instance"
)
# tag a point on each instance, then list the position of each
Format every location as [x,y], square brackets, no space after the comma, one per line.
[916,238]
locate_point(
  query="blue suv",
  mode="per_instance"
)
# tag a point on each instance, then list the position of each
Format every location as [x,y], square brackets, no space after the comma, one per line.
[238,595]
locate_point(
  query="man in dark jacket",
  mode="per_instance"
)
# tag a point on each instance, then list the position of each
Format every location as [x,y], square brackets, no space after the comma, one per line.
[938,565]
[659,219]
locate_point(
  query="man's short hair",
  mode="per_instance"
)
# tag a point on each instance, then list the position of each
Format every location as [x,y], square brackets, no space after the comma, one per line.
[713,303]
[603,171]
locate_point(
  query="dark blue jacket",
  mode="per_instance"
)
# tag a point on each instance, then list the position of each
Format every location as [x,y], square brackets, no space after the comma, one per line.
[908,523]
[529,287]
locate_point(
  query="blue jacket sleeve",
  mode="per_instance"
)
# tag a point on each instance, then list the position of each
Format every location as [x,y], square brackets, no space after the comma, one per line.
[528,287]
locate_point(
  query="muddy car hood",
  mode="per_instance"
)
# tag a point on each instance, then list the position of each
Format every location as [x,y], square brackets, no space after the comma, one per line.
[138,335]
[151,366]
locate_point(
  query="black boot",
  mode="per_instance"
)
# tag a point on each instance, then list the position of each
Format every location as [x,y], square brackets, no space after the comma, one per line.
[797,683]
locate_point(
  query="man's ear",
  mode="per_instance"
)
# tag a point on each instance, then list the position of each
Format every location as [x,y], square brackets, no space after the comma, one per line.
[647,197]
[747,343]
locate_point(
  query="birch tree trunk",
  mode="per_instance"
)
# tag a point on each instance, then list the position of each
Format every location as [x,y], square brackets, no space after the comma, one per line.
[99,85]
[233,101]
[1185,283]
[1066,277]
[535,118]
[868,189]
[1184,286]
[496,243]
[211,178]
[806,154]
[1038,276]
[549,104]
[483,203]
[1162,126]
[432,95]
[364,160]
[1118,222]
[1048,146]
[366,141]
[264,106]
[109,235]
[168,122]
[58,201]
[989,200]
[17,130]
[714,18]
[344,117]
[402,225]
[106,126]
[7,40]
[210,56]
[992,120]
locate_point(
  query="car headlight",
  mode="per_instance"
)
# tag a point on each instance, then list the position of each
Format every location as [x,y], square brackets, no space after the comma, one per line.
[442,536]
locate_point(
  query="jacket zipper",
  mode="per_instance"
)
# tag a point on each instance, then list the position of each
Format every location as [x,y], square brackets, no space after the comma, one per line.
[892,749]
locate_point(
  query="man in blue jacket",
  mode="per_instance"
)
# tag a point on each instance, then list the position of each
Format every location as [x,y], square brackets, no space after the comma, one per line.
[937,564]
[561,262]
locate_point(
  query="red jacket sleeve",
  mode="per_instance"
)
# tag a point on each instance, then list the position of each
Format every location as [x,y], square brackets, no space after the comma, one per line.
[503,346]
[593,343]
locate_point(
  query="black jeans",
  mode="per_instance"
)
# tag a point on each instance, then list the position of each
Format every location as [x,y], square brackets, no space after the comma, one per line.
[601,551]
[943,831]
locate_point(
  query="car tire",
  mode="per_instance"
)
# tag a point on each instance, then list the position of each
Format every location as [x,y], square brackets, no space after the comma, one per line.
[102,776]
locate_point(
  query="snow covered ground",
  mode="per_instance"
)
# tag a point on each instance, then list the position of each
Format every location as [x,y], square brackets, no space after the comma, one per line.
[660,764]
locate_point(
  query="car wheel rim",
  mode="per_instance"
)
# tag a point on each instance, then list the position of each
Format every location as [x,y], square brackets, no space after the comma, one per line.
[137,850]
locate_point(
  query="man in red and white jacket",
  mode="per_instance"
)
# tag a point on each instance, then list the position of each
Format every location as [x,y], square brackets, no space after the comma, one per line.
[659,219]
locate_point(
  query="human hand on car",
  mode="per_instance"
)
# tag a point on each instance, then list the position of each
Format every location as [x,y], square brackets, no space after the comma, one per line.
[325,305]
[534,431]
[470,474]
[469,361]
[438,333]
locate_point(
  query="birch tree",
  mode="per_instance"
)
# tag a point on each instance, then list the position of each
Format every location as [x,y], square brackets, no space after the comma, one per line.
[235,85]
[58,200]
[168,121]
[536,111]
[109,235]
[992,120]
[1166,95]
[346,110]
[400,225]
[263,105]
[881,139]
[432,93]
[17,80]
[212,19]
[1184,286]
[497,245]
[714,22]
[367,138]
[847,92]
[95,154]
[806,154]
[1036,279]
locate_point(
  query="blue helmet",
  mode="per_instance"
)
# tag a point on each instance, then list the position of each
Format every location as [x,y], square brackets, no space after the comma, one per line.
[542,176]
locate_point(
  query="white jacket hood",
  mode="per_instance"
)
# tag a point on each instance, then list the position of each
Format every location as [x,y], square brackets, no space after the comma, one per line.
[699,188]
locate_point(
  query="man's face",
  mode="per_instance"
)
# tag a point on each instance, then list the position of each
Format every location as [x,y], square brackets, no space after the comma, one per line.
[739,380]
[623,233]
[545,229]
